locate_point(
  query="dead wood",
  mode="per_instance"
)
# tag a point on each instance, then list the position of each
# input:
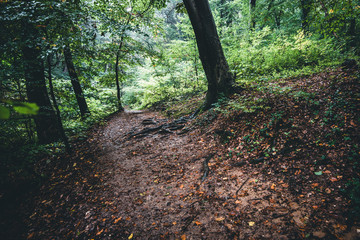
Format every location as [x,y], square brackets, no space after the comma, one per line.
[237,191]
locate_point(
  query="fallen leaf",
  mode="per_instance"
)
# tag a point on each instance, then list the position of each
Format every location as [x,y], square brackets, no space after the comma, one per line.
[315,185]
[333,179]
[273,186]
[131,236]
[197,223]
[219,219]
[183,237]
[117,220]
[251,224]
[319,173]
[30,235]
[99,232]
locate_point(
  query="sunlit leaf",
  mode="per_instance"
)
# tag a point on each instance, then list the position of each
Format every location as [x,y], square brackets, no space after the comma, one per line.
[26,108]
[4,112]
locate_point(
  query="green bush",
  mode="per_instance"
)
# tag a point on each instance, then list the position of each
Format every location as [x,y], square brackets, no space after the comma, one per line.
[269,53]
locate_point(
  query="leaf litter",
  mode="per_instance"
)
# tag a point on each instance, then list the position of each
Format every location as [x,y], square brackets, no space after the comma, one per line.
[276,173]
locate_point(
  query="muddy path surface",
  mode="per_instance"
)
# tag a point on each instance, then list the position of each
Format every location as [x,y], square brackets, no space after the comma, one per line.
[172,184]
[158,187]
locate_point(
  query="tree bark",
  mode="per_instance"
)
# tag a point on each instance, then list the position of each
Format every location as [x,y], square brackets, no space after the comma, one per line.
[58,116]
[84,110]
[252,23]
[216,68]
[118,89]
[45,120]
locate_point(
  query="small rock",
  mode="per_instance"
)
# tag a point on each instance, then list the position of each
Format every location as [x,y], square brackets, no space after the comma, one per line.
[297,216]
[319,234]
[294,205]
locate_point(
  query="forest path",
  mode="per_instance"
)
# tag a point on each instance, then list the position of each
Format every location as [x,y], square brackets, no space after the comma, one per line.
[155,189]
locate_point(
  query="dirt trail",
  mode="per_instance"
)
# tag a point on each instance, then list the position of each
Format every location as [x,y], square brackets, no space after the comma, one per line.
[154,187]
[157,192]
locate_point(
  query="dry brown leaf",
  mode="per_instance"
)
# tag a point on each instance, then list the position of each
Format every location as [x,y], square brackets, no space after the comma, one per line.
[99,232]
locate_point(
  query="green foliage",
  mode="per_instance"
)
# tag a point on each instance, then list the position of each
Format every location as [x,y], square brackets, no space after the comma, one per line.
[353,192]
[267,53]
[4,112]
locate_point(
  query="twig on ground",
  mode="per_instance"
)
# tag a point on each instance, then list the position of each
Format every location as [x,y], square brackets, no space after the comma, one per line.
[242,186]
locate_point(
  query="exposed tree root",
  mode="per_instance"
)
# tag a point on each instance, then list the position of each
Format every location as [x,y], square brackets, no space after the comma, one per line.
[206,169]
[165,128]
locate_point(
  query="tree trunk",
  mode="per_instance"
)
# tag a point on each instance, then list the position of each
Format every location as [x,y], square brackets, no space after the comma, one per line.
[212,57]
[58,116]
[45,120]
[84,110]
[252,23]
[118,89]
[195,66]
[305,10]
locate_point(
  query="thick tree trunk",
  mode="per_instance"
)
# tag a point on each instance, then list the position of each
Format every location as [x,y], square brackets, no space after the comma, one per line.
[45,120]
[84,110]
[252,23]
[216,68]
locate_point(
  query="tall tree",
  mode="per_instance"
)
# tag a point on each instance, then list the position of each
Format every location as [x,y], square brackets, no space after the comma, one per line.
[45,121]
[117,61]
[216,68]
[84,110]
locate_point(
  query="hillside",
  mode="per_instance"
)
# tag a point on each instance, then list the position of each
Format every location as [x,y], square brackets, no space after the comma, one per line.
[279,160]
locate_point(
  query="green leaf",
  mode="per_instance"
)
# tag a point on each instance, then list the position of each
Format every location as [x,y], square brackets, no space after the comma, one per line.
[318,173]
[26,108]
[4,112]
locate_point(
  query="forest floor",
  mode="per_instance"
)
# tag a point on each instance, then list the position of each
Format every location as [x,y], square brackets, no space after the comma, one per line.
[285,167]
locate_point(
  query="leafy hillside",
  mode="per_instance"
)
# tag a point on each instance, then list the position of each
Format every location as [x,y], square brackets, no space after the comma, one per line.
[277,160]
